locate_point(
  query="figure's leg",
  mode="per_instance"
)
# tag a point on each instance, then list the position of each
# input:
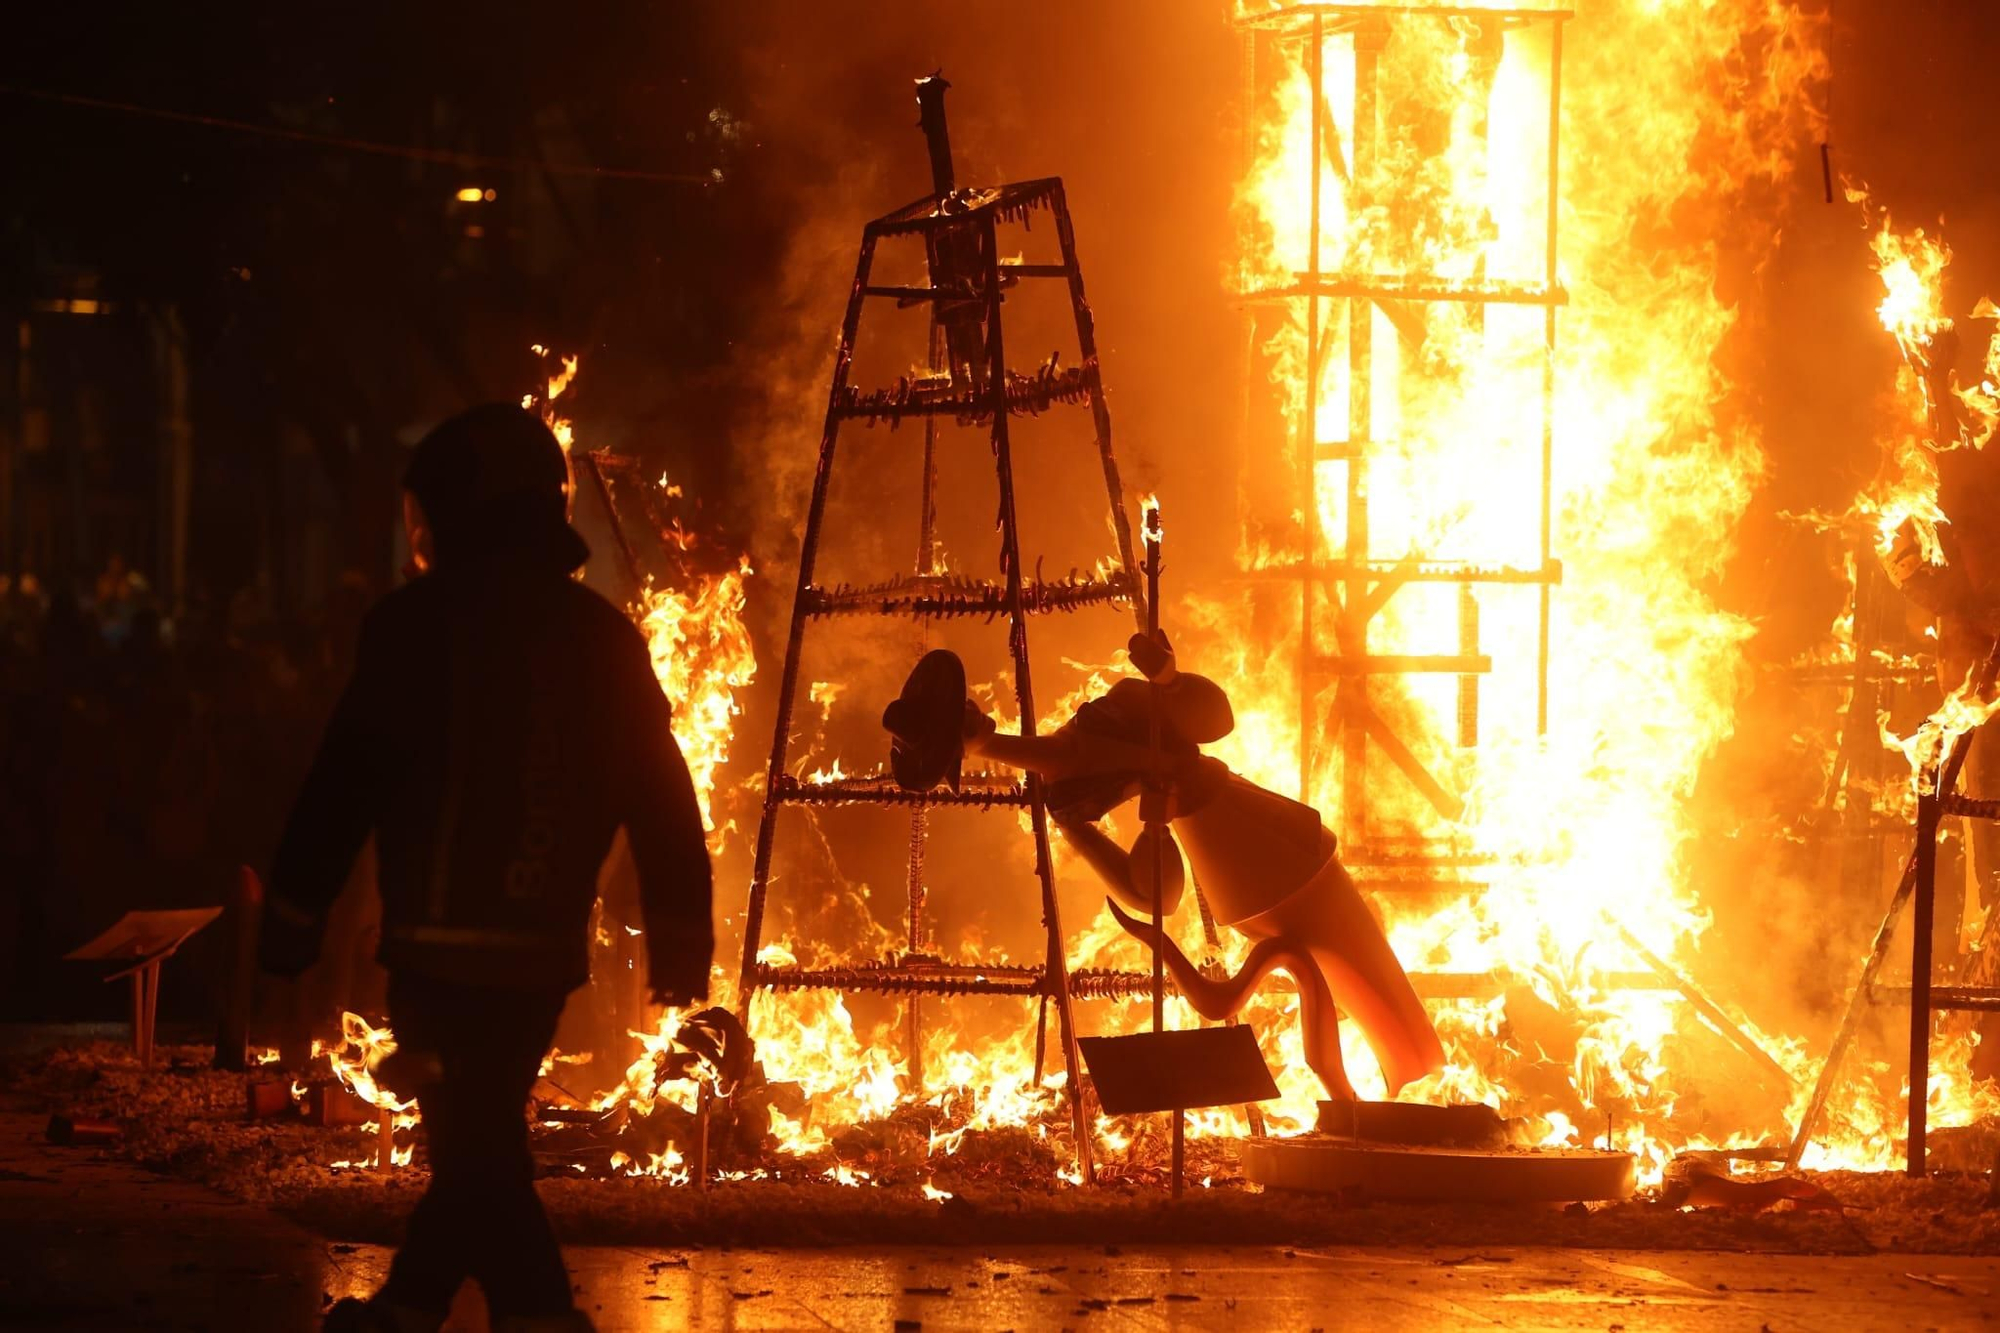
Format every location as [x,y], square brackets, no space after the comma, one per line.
[1319,1023]
[1328,919]
[1219,998]
[1053,756]
[516,1262]
[431,1263]
[480,1217]
[1066,753]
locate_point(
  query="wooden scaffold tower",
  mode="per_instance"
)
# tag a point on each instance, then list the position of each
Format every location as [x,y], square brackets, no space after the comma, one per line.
[1344,580]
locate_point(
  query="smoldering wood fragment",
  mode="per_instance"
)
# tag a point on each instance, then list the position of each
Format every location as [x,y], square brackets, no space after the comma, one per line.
[81,1131]
[330,1106]
[266,1099]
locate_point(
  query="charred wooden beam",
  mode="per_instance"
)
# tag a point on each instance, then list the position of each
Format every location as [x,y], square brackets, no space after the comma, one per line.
[1384,288]
[1980,999]
[1405,664]
[1422,571]
[932,595]
[930,396]
[881,789]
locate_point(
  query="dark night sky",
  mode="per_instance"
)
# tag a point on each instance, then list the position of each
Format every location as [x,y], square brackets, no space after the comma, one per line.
[338,292]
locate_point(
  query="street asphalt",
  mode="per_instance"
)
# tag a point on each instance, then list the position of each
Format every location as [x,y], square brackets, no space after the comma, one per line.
[94,1243]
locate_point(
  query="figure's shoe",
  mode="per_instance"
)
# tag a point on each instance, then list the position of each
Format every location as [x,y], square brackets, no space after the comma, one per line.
[927,722]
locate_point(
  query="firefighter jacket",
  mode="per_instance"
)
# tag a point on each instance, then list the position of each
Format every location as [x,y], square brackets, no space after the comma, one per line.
[503,722]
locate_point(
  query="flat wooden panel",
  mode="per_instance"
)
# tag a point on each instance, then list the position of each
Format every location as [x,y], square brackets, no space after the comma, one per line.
[1177,1071]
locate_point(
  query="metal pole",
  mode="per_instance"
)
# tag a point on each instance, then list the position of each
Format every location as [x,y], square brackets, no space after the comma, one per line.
[1309,428]
[1920,976]
[1156,826]
[1156,833]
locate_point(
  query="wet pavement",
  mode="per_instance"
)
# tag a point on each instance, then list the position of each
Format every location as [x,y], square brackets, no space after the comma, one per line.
[96,1244]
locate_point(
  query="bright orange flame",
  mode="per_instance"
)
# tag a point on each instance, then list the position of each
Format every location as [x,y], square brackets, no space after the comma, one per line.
[699,639]
[703,657]
[1579,832]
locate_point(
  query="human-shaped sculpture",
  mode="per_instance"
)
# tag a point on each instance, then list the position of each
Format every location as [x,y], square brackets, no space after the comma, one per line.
[1265,862]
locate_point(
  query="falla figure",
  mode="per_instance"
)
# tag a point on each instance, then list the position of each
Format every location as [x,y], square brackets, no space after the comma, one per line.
[1265,862]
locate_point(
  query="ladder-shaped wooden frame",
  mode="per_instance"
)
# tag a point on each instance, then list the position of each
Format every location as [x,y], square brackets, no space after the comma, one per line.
[971,394]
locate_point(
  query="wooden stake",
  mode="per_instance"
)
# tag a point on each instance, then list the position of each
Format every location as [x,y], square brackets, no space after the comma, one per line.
[704,1106]
[385,1135]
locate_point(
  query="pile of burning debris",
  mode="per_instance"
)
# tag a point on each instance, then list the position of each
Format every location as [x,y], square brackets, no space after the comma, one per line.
[189,1119]
[698,1106]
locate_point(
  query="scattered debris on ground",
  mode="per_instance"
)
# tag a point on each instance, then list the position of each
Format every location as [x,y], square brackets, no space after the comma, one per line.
[191,1121]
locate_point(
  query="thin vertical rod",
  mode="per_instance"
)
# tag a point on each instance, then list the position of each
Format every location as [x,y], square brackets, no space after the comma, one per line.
[1156,829]
[1549,371]
[385,1137]
[152,1007]
[704,1113]
[1309,424]
[1100,412]
[1921,924]
[913,1004]
[788,688]
[1057,972]
[1368,42]
[1041,1037]
[140,1051]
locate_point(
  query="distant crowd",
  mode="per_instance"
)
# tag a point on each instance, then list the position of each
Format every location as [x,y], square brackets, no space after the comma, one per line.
[144,755]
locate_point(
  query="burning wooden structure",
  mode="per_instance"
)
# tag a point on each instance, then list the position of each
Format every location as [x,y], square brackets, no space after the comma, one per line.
[1346,303]
[1483,642]
[970,383]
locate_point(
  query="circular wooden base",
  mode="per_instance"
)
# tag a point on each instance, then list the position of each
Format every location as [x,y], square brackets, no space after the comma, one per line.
[1324,1165]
